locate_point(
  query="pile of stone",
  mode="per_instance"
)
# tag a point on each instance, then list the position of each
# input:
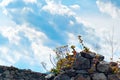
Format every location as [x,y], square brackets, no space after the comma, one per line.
[12,73]
[89,66]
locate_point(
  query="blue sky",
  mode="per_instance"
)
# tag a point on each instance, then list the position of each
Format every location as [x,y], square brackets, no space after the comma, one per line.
[31,29]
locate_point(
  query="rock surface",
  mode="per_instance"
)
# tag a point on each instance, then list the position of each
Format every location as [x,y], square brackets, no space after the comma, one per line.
[89,66]
[12,73]
[85,67]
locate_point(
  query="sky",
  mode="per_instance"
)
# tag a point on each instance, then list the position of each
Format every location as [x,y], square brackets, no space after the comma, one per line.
[31,29]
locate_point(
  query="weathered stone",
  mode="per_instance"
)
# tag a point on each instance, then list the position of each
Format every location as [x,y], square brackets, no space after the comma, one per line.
[101,57]
[81,63]
[82,77]
[113,77]
[103,67]
[1,69]
[88,55]
[113,63]
[118,75]
[12,73]
[62,77]
[92,69]
[81,72]
[98,76]
[50,75]
[71,73]
[6,72]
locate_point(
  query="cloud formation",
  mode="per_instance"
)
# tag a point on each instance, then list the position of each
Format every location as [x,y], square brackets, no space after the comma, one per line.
[109,8]
[24,43]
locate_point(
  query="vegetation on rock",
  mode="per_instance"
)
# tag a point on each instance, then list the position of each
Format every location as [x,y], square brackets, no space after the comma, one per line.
[90,61]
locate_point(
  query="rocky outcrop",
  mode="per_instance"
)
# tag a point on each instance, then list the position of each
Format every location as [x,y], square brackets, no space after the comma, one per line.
[89,66]
[12,73]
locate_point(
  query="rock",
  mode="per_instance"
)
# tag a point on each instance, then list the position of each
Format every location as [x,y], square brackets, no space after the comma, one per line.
[82,77]
[71,73]
[103,67]
[82,72]
[113,77]
[88,55]
[113,64]
[12,73]
[98,76]
[62,77]
[6,72]
[1,69]
[118,75]
[81,63]
[49,76]
[101,57]
[92,69]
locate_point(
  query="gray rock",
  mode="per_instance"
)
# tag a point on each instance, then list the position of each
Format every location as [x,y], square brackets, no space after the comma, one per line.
[82,77]
[113,63]
[98,76]
[81,63]
[62,77]
[6,72]
[88,55]
[103,67]
[82,72]
[113,77]
[1,69]
[71,73]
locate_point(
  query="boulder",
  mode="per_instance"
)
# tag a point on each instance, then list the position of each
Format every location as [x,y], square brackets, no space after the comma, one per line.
[102,67]
[62,77]
[98,76]
[81,72]
[88,55]
[71,73]
[113,64]
[81,63]
[113,77]
[82,77]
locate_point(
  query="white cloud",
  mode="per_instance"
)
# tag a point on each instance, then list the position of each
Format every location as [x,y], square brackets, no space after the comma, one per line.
[5,2]
[109,8]
[39,52]
[7,57]
[27,9]
[71,23]
[11,34]
[30,1]
[75,6]
[73,40]
[80,20]
[60,9]
[57,8]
